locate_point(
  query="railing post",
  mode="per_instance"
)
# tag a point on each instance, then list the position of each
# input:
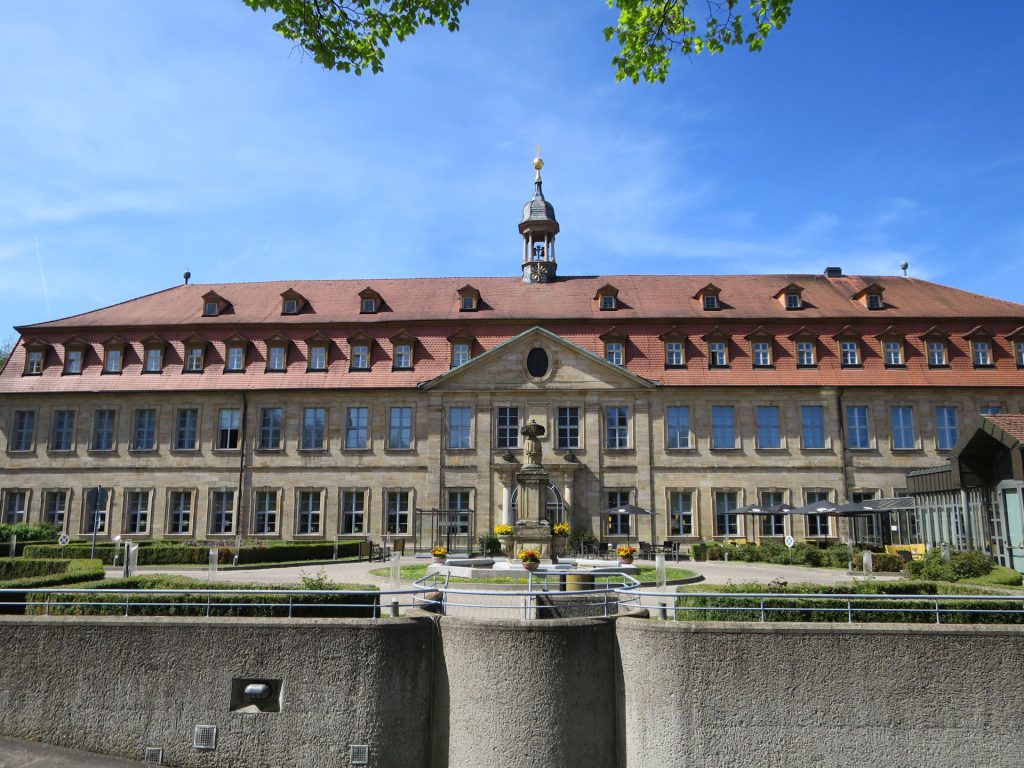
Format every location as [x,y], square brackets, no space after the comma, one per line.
[47,604]
[762,610]
[849,611]
[938,617]
[606,604]
[291,599]
[208,598]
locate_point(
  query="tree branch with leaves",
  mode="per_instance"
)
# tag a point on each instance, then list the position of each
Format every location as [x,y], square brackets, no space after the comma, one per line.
[353,35]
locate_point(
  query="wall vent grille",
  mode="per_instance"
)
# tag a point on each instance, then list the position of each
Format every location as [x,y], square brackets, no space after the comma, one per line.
[205,737]
[154,755]
[359,754]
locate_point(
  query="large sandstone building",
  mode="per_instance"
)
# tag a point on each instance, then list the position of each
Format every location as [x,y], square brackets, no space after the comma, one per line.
[310,409]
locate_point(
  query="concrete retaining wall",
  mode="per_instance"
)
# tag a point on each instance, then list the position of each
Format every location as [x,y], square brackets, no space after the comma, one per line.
[117,685]
[454,693]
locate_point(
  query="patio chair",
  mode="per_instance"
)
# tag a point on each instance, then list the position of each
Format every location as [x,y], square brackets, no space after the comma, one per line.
[365,550]
[603,550]
[671,548]
[398,547]
[646,551]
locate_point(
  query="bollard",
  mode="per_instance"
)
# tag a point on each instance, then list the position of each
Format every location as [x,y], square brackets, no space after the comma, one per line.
[663,611]
[394,607]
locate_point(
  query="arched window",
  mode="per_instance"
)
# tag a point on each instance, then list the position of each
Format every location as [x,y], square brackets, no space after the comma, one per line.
[555,505]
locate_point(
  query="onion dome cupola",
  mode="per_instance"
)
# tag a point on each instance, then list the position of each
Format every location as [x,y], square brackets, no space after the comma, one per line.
[538,229]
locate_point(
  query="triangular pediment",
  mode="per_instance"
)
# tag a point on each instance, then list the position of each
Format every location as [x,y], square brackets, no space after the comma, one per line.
[568,367]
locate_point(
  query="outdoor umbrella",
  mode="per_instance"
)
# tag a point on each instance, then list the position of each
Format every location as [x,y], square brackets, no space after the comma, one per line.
[748,509]
[849,510]
[626,509]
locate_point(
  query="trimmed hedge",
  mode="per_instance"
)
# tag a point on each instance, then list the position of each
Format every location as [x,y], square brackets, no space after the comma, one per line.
[802,553]
[159,553]
[365,604]
[25,568]
[819,610]
[960,565]
[76,572]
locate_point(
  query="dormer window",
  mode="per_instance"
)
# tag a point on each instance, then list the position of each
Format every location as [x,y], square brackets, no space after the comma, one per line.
[318,357]
[762,353]
[277,355]
[607,297]
[403,355]
[369,301]
[194,354]
[791,297]
[675,348]
[460,353]
[291,307]
[982,349]
[469,299]
[793,301]
[874,301]
[235,359]
[214,304]
[937,355]
[849,354]
[718,354]
[1018,353]
[34,362]
[153,360]
[614,347]
[292,302]
[74,357]
[806,355]
[892,353]
[113,359]
[709,297]
[359,359]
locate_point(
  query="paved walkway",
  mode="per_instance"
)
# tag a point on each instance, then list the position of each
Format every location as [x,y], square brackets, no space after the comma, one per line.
[15,753]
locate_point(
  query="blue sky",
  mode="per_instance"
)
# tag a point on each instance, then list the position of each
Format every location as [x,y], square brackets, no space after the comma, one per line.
[141,138]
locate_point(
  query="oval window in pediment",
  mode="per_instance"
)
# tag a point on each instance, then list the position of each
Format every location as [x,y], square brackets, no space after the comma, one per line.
[537,362]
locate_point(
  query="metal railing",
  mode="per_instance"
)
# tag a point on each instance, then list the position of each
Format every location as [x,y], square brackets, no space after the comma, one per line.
[848,608]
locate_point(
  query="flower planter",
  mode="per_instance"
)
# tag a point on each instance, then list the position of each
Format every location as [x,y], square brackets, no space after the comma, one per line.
[440,560]
[625,561]
[531,566]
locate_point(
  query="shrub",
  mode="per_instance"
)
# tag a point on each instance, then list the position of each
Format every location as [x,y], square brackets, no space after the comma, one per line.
[489,543]
[699,551]
[24,568]
[29,532]
[580,536]
[364,602]
[885,562]
[174,553]
[77,571]
[961,565]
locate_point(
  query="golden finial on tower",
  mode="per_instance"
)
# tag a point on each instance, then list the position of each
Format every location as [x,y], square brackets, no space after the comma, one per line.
[538,163]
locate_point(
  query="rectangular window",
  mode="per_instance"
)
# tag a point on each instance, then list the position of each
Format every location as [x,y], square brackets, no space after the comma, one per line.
[718,354]
[936,354]
[309,512]
[805,354]
[400,428]
[458,512]
[680,505]
[677,426]
[710,301]
[812,425]
[507,434]
[34,362]
[982,353]
[194,359]
[353,507]
[222,512]
[318,357]
[397,507]
[95,517]
[137,512]
[817,525]
[264,513]
[277,357]
[73,361]
[989,410]
[616,427]
[403,356]
[186,429]
[858,432]
[762,354]
[144,432]
[460,421]
[849,354]
[1018,353]
[357,428]
[154,360]
[55,508]
[460,353]
[674,354]
[102,430]
[271,420]
[904,436]
[723,427]
[23,434]
[947,427]
[180,511]
[772,525]
[617,522]
[360,357]
[568,428]
[15,507]
[235,359]
[114,359]
[726,523]
[768,433]
[314,429]
[892,353]
[62,432]
[229,421]
[614,353]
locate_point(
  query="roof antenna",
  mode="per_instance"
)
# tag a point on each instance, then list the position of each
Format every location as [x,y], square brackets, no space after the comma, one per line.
[187,275]
[904,265]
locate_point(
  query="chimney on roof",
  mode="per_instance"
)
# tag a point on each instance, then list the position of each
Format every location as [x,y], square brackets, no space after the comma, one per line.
[833,271]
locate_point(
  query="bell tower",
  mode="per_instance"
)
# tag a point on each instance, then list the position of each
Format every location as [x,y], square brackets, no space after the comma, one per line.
[538,229]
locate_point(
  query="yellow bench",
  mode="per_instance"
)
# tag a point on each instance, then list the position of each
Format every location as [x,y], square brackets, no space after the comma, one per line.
[916,550]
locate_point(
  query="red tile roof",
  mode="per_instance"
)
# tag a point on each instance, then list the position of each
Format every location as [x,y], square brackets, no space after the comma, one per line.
[428,310]
[1011,423]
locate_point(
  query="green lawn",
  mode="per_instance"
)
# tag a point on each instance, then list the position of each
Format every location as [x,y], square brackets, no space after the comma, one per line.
[647,575]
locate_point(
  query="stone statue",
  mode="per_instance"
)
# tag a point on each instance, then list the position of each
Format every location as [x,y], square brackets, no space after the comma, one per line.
[533,432]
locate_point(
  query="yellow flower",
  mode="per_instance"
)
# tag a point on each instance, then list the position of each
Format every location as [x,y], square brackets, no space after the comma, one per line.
[439,552]
[503,530]
[624,550]
[529,556]
[560,529]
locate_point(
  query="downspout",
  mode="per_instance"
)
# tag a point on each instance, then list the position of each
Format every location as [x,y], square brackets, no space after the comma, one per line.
[243,444]
[843,458]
